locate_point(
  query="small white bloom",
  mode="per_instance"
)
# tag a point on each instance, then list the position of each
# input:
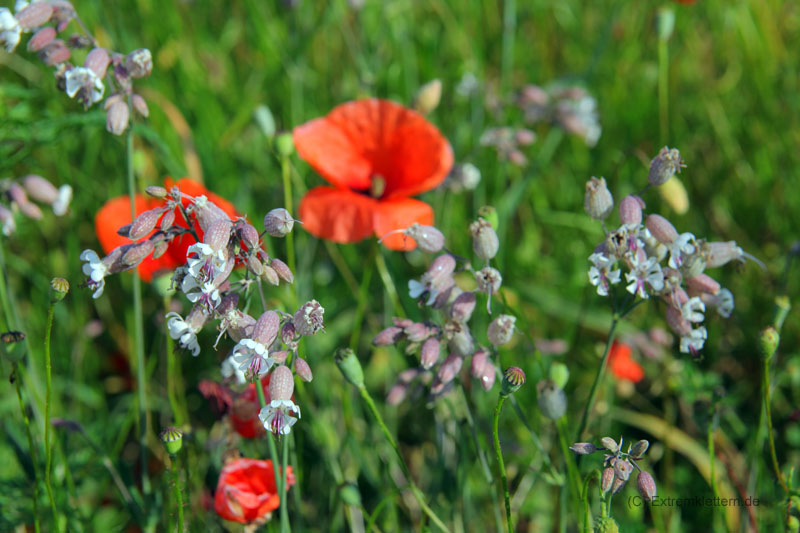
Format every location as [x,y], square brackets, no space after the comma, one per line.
[78,78]
[693,309]
[20,5]
[10,30]
[600,273]
[724,302]
[204,263]
[644,272]
[61,204]
[252,356]
[206,294]
[183,332]
[417,289]
[694,341]
[277,416]
[96,270]
[231,369]
[683,246]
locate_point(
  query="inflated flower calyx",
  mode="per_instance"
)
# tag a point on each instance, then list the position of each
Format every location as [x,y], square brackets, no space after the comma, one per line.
[583,448]
[501,329]
[598,201]
[666,164]
[278,222]
[485,242]
[646,485]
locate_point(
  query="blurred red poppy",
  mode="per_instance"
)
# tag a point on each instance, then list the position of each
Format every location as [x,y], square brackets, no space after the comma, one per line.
[621,364]
[246,491]
[117,213]
[244,414]
[376,154]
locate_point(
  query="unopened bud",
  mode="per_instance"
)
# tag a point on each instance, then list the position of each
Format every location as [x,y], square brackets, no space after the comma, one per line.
[137,253]
[283,271]
[59,287]
[271,276]
[388,336]
[117,118]
[646,485]
[350,366]
[639,449]
[156,191]
[630,210]
[266,329]
[598,201]
[278,222]
[255,266]
[666,164]
[168,220]
[281,384]
[583,448]
[610,444]
[447,372]
[501,329]
[462,307]
[429,355]
[139,63]
[303,370]
[661,228]
[218,234]
[279,357]
[607,479]
[417,332]
[484,239]
[248,234]
[285,144]
[397,394]
[428,238]
[34,15]
[559,373]
[140,105]
[172,439]
[40,189]
[54,53]
[513,379]
[768,342]
[552,400]
[143,224]
[428,97]
[97,61]
[42,38]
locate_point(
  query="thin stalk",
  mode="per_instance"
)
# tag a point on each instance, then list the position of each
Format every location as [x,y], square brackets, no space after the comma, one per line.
[285,528]
[34,460]
[138,327]
[48,392]
[173,377]
[587,514]
[509,33]
[286,173]
[273,453]
[177,489]
[363,292]
[386,433]
[597,379]
[713,471]
[663,89]
[569,460]
[500,464]
[380,262]
[766,393]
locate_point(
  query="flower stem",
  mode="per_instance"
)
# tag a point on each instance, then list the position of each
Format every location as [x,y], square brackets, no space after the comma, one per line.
[587,514]
[285,528]
[380,262]
[663,88]
[386,433]
[500,464]
[177,490]
[173,377]
[713,471]
[48,453]
[766,394]
[34,461]
[286,170]
[138,327]
[273,453]
[597,379]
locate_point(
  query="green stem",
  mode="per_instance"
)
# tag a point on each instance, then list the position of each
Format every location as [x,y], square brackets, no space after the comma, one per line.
[663,89]
[380,262]
[713,470]
[770,434]
[138,328]
[386,433]
[597,379]
[500,464]
[48,391]
[177,490]
[509,30]
[587,513]
[286,170]
[285,528]
[34,460]
[173,377]
[569,459]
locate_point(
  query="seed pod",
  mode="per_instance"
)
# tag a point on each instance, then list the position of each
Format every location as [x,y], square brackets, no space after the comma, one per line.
[278,222]
[144,223]
[41,38]
[429,355]
[282,270]
[349,366]
[598,201]
[171,437]
[281,384]
[117,118]
[501,329]
[485,242]
[140,105]
[630,210]
[388,336]
[646,485]
[40,189]
[302,369]
[552,400]
[513,379]
[609,444]
[34,15]
[661,228]
[97,61]
[266,328]
[664,166]
[59,287]
[428,97]
[768,342]
[139,63]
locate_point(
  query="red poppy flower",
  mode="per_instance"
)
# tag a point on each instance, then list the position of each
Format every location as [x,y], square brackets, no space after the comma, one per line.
[376,154]
[244,415]
[117,212]
[621,364]
[246,491]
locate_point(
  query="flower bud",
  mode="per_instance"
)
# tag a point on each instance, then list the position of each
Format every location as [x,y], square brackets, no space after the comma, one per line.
[97,61]
[428,238]
[266,329]
[552,400]
[459,338]
[447,372]
[117,118]
[143,224]
[279,357]
[139,63]
[484,239]
[218,234]
[156,191]
[679,325]
[172,439]
[40,189]
[278,222]
[598,201]
[622,469]
[284,144]
[303,370]
[417,332]
[270,276]
[661,229]
[255,266]
[768,342]
[462,307]
[137,253]
[513,379]
[54,53]
[34,15]
[282,269]
[428,97]
[646,485]
[429,355]
[140,105]
[59,287]
[583,448]
[41,38]
[607,479]
[350,366]
[703,283]
[630,210]
[248,234]
[388,336]
[664,166]
[281,384]
[639,449]
[501,329]
[488,376]
[610,444]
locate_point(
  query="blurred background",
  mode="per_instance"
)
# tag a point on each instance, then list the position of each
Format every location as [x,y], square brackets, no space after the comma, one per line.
[722,87]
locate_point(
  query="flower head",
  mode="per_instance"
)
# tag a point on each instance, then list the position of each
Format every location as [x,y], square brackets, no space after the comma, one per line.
[277,416]
[246,491]
[376,154]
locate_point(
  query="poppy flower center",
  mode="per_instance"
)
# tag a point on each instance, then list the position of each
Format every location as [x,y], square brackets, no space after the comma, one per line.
[377,187]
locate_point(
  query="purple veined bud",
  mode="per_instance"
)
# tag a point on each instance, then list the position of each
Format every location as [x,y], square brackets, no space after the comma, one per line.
[607,479]
[302,369]
[266,328]
[718,254]
[489,280]
[41,38]
[255,266]
[479,360]
[703,283]
[428,97]
[639,449]
[679,325]
[30,210]
[156,191]
[664,166]
[630,210]
[287,333]
[484,239]
[646,485]
[145,223]
[462,307]
[97,61]
[279,357]
[281,384]
[139,63]
[552,400]
[278,222]
[218,234]
[501,329]
[442,267]
[137,253]
[308,319]
[598,201]
[283,271]
[160,248]
[40,189]
[488,376]
[17,194]
[583,448]
[229,302]
[447,372]
[117,118]
[661,228]
[248,234]
[54,53]
[417,332]
[270,276]
[617,485]
[428,238]
[34,15]
[623,469]
[140,105]
[402,322]
[388,336]
[610,444]
[397,394]
[168,220]
[429,355]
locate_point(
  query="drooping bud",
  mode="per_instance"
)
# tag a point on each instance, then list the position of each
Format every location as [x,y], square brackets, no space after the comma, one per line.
[270,276]
[583,448]
[610,444]
[278,222]
[462,307]
[172,439]
[484,239]
[143,224]
[552,400]
[428,97]
[513,379]
[646,485]
[666,164]
[598,201]
[607,479]
[350,366]
[447,372]
[639,449]
[140,105]
[501,329]
[34,15]
[768,342]
[156,191]
[428,238]
[622,469]
[303,370]
[97,61]
[429,355]
[630,210]
[388,336]
[139,63]
[59,287]
[40,189]
[266,329]
[283,271]
[117,118]
[255,266]
[42,38]
[281,384]
[661,228]
[248,234]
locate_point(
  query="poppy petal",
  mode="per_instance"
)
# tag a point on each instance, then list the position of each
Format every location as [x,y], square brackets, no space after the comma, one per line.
[400,213]
[337,215]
